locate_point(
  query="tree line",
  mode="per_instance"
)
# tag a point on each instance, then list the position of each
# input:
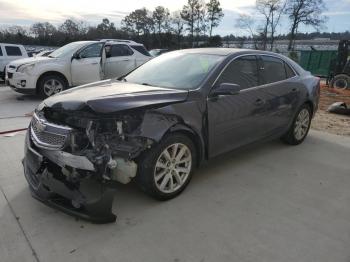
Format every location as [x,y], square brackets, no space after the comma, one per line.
[297,12]
[192,26]
[159,28]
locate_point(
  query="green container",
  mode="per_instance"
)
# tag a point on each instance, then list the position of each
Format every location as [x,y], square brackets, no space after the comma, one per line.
[317,62]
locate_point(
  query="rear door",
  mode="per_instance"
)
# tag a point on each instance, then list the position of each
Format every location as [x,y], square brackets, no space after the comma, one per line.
[86,66]
[11,53]
[235,120]
[281,93]
[120,61]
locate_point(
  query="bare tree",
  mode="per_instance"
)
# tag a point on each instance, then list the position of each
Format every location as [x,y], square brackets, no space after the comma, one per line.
[160,18]
[306,12]
[277,9]
[261,7]
[271,11]
[73,29]
[188,14]
[43,30]
[177,26]
[215,14]
[138,21]
[201,19]
[247,23]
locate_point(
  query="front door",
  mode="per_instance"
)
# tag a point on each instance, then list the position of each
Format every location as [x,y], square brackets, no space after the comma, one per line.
[86,66]
[120,61]
[234,120]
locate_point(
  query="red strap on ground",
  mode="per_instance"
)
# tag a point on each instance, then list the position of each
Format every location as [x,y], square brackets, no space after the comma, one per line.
[12,131]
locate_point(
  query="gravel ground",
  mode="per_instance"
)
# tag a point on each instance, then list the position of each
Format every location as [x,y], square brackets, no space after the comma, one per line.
[332,123]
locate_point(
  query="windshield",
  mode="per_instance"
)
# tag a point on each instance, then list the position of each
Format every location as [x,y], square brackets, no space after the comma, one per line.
[175,70]
[66,50]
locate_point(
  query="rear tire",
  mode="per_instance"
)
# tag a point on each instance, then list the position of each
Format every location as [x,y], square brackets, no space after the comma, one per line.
[51,84]
[341,81]
[300,127]
[166,169]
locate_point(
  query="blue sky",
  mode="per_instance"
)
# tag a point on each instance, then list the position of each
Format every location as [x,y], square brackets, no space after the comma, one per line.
[25,12]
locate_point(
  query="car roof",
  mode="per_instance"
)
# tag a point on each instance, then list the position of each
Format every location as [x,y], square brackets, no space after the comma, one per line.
[237,51]
[119,41]
[226,51]
[214,51]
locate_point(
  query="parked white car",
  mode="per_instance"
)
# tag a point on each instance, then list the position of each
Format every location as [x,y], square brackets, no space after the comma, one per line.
[8,53]
[75,64]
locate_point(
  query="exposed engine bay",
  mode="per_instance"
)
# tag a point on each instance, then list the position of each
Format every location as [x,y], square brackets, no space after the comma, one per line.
[84,146]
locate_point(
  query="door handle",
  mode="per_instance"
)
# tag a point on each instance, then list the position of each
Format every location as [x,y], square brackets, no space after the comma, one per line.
[294,89]
[94,63]
[259,102]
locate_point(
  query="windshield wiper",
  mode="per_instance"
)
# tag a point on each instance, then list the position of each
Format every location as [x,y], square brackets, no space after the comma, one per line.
[146,84]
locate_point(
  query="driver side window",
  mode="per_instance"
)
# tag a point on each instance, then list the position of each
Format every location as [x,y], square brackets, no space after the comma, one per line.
[93,50]
[242,71]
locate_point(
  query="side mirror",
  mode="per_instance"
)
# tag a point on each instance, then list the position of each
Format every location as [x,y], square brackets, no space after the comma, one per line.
[226,89]
[76,56]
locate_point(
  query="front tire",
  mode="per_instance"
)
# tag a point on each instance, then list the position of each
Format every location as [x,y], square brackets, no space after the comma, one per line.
[51,84]
[300,127]
[165,170]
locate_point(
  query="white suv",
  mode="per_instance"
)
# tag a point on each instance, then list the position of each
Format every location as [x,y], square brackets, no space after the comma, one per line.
[8,53]
[75,64]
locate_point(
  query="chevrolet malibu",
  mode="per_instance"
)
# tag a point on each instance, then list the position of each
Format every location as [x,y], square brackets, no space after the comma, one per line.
[160,122]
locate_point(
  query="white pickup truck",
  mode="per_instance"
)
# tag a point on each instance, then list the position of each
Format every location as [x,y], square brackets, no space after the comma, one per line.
[8,53]
[75,64]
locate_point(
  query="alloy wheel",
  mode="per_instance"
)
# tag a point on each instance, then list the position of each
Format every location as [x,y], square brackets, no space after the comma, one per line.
[173,168]
[302,124]
[52,86]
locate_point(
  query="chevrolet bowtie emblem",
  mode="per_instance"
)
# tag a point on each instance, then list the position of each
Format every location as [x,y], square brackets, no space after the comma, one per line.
[40,125]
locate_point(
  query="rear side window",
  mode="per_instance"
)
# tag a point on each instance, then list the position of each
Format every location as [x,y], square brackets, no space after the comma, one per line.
[242,71]
[289,71]
[273,70]
[13,51]
[141,49]
[121,50]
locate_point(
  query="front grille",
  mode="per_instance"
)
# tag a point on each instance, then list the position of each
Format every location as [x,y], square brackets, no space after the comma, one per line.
[9,75]
[47,135]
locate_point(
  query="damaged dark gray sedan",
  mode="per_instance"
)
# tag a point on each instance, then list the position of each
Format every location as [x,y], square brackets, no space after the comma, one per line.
[158,123]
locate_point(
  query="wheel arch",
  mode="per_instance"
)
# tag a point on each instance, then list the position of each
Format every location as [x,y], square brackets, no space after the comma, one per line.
[193,135]
[50,73]
[311,105]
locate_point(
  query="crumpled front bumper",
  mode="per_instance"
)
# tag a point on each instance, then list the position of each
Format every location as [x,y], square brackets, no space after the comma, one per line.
[89,199]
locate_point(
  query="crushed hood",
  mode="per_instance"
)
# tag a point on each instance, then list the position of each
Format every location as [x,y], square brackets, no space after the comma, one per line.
[112,96]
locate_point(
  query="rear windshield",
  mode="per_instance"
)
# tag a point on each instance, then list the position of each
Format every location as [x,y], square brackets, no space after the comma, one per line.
[141,49]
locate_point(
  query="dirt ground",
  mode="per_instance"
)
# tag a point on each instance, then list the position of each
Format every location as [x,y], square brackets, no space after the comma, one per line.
[332,123]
